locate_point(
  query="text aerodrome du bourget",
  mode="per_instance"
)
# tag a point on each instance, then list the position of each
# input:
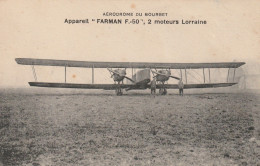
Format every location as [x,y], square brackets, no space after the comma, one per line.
[144,18]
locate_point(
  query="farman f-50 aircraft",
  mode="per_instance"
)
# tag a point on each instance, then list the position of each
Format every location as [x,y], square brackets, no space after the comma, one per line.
[161,72]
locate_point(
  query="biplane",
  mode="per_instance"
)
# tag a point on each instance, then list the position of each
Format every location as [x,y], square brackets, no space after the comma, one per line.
[139,80]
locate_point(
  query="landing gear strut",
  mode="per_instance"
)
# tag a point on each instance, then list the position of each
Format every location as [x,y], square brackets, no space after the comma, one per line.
[162,91]
[119,90]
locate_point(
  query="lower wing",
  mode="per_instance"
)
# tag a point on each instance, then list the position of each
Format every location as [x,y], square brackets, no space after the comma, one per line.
[82,86]
[191,86]
[125,86]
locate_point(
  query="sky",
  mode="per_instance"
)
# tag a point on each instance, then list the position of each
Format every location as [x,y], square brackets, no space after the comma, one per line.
[36,29]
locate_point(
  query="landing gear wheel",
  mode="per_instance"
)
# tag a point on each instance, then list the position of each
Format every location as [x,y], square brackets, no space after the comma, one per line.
[119,92]
[161,91]
[165,92]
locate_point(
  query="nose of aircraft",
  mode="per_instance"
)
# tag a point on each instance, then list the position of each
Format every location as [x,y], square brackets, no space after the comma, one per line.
[122,72]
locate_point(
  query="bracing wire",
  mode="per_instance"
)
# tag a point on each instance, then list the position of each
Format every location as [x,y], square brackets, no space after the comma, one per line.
[34,73]
[193,76]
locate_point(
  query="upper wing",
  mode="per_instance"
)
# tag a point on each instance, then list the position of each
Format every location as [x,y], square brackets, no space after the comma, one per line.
[90,64]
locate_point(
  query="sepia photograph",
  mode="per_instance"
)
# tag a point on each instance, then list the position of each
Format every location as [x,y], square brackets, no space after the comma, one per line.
[157,83]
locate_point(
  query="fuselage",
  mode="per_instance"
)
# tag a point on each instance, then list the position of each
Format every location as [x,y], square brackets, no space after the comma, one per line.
[142,78]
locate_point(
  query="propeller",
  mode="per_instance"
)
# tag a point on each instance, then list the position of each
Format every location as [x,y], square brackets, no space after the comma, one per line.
[122,74]
[177,78]
[129,79]
[166,75]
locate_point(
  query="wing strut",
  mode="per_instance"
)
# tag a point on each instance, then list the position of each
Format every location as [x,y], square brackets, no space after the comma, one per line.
[132,72]
[234,74]
[65,74]
[92,74]
[34,73]
[186,76]
[228,74]
[181,74]
[209,75]
[203,75]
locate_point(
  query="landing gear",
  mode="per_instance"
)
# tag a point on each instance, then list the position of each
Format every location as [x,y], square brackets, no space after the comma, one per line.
[162,91]
[119,90]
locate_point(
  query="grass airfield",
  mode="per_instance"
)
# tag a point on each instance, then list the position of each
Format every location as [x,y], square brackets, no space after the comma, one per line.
[79,127]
